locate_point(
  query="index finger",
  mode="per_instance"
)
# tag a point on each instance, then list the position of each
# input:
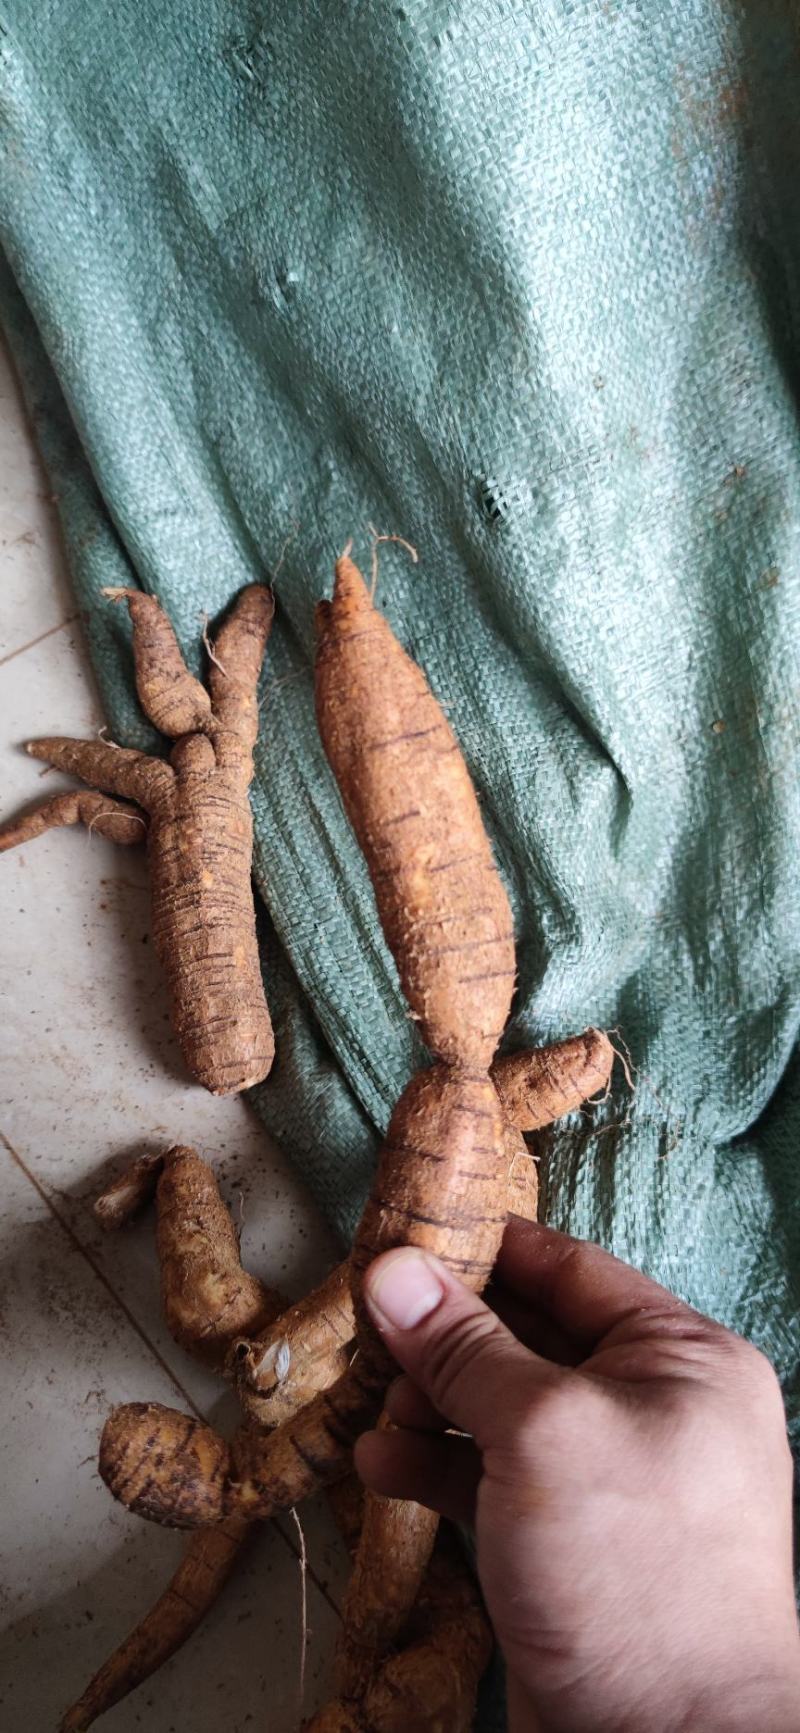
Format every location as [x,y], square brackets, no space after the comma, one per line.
[580,1287]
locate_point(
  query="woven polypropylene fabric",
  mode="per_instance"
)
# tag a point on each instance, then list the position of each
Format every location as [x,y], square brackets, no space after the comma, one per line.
[520,281]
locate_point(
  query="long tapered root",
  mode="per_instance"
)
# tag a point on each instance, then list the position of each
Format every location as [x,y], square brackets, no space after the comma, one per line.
[199,1579]
[100,813]
[430,1684]
[236,660]
[115,770]
[410,800]
[541,1084]
[304,1350]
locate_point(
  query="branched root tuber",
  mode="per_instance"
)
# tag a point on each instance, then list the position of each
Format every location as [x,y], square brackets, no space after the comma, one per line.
[450,1167]
[195,817]
[199,1253]
[175,1470]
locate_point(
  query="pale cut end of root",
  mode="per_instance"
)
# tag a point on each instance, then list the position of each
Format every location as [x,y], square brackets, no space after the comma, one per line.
[129,1194]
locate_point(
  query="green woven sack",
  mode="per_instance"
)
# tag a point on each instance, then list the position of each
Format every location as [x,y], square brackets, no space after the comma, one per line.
[519,279]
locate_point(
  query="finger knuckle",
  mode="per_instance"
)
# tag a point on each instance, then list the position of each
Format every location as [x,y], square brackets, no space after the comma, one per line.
[454,1355]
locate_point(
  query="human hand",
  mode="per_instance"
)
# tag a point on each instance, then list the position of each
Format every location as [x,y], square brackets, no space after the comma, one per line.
[628,1476]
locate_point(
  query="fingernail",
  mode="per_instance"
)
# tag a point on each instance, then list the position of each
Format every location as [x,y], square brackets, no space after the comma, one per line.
[403,1289]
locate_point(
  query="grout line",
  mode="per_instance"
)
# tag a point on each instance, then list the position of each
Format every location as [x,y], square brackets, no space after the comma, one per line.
[100,1274]
[84,1252]
[33,641]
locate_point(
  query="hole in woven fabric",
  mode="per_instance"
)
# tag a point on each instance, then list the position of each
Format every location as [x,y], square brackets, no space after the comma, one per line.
[493,502]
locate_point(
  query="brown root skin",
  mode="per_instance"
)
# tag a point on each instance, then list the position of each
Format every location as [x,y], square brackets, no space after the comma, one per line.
[201,1575]
[175,702]
[305,1349]
[130,1193]
[410,800]
[523,1177]
[174,1470]
[541,1084]
[393,1554]
[101,815]
[149,1453]
[199,832]
[446,1180]
[441,1185]
[430,1684]
[208,1298]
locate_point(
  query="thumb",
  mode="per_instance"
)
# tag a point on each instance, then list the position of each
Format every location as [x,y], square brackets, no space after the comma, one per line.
[456,1350]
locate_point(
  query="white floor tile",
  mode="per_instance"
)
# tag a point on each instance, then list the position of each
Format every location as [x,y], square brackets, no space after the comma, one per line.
[79,1569]
[90,1076]
[29,538]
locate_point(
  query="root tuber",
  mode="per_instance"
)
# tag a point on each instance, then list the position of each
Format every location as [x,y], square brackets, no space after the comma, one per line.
[392,1556]
[211,1552]
[451,1166]
[430,1683]
[201,1575]
[541,1084]
[303,1351]
[196,821]
[208,1299]
[410,800]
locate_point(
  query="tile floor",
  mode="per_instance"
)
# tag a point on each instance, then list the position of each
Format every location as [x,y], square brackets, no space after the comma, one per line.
[88,1076]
